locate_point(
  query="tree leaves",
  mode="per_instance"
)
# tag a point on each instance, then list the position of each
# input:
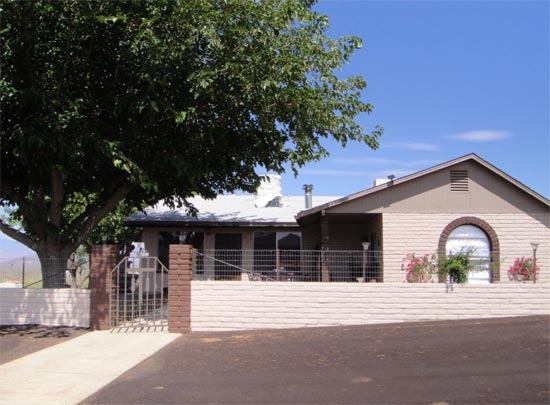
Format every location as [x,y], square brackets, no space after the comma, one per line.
[146,100]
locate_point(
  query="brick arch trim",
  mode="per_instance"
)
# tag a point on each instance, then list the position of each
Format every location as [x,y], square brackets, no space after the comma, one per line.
[489,231]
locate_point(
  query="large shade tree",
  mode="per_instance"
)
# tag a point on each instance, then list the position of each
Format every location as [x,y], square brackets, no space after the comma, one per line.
[139,101]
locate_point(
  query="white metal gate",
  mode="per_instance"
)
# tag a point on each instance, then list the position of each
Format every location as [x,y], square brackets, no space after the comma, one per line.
[139,294]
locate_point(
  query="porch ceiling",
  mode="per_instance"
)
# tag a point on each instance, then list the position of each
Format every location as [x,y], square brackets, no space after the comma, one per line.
[350,218]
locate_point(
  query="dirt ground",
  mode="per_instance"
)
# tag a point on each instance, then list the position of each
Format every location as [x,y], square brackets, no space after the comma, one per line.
[18,341]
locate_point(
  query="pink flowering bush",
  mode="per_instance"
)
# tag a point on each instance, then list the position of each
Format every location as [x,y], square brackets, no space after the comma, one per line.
[523,269]
[419,269]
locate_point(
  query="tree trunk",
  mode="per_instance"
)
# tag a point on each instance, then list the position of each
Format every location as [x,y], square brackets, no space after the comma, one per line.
[53,270]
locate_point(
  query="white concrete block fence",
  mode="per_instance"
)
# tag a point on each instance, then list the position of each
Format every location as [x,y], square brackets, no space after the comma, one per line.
[237,305]
[196,305]
[51,307]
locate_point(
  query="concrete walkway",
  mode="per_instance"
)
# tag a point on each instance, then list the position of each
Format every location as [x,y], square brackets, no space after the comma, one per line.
[69,372]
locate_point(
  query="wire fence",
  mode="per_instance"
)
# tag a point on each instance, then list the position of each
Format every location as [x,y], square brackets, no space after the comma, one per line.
[288,265]
[367,266]
[32,272]
[291,266]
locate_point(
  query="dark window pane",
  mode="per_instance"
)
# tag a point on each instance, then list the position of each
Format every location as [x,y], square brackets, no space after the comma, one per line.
[228,256]
[265,240]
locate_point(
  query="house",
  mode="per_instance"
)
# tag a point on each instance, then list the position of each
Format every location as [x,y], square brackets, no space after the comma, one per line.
[462,203]
[465,203]
[230,225]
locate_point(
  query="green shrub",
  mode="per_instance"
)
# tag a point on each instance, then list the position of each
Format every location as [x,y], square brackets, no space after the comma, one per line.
[457,266]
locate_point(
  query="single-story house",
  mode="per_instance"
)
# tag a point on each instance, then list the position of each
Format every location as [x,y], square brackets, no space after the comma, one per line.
[231,225]
[465,203]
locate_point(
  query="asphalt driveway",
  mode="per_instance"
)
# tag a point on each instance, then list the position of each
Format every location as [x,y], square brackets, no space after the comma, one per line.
[490,361]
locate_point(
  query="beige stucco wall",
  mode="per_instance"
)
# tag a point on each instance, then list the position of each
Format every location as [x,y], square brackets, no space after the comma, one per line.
[419,233]
[487,193]
[150,237]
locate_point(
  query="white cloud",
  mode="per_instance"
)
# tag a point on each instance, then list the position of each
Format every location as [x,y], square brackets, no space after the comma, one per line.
[423,146]
[482,135]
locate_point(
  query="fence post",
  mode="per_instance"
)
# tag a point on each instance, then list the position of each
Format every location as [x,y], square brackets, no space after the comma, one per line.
[23,275]
[103,261]
[179,288]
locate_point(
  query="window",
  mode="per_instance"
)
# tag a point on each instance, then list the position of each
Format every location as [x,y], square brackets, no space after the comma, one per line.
[228,256]
[173,238]
[276,254]
[459,180]
[470,238]
[265,240]
[277,240]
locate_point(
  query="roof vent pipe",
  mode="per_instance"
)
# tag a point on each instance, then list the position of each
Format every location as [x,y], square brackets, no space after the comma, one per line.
[308,189]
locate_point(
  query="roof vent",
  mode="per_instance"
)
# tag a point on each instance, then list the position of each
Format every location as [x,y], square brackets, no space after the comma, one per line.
[459,180]
[378,182]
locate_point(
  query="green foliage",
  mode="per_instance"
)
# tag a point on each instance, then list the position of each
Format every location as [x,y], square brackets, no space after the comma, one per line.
[139,101]
[457,266]
[113,229]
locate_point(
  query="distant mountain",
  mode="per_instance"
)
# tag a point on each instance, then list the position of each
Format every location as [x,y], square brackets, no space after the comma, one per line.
[10,249]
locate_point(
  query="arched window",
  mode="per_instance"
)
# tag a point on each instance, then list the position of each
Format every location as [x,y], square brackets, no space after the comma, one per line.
[475,233]
[471,239]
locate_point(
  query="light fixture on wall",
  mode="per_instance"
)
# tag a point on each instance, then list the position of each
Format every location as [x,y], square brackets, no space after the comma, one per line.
[365,258]
[181,237]
[534,245]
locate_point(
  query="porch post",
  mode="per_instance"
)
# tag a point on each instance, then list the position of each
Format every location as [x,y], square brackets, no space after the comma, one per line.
[179,288]
[103,261]
[325,243]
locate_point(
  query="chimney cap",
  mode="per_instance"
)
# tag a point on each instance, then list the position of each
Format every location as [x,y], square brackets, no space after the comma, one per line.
[308,187]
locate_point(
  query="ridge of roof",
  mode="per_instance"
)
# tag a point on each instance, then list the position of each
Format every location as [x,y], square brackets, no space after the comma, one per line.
[224,209]
[412,176]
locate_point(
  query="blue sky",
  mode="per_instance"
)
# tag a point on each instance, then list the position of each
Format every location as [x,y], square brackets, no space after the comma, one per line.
[446,78]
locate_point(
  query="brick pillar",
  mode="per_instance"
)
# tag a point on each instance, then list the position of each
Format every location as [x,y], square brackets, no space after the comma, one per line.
[103,261]
[179,288]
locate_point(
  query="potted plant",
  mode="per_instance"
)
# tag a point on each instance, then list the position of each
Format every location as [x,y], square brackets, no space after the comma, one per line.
[419,269]
[457,266]
[523,269]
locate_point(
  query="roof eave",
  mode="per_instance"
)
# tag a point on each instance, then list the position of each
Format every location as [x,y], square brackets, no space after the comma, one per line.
[209,224]
[412,176]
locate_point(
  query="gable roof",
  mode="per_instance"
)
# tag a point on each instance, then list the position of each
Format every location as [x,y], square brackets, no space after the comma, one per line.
[410,177]
[226,210]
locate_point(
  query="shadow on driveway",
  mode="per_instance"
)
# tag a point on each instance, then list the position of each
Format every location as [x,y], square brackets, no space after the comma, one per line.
[18,341]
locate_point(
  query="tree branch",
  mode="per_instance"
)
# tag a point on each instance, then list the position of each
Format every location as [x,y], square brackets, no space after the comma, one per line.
[96,214]
[18,236]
